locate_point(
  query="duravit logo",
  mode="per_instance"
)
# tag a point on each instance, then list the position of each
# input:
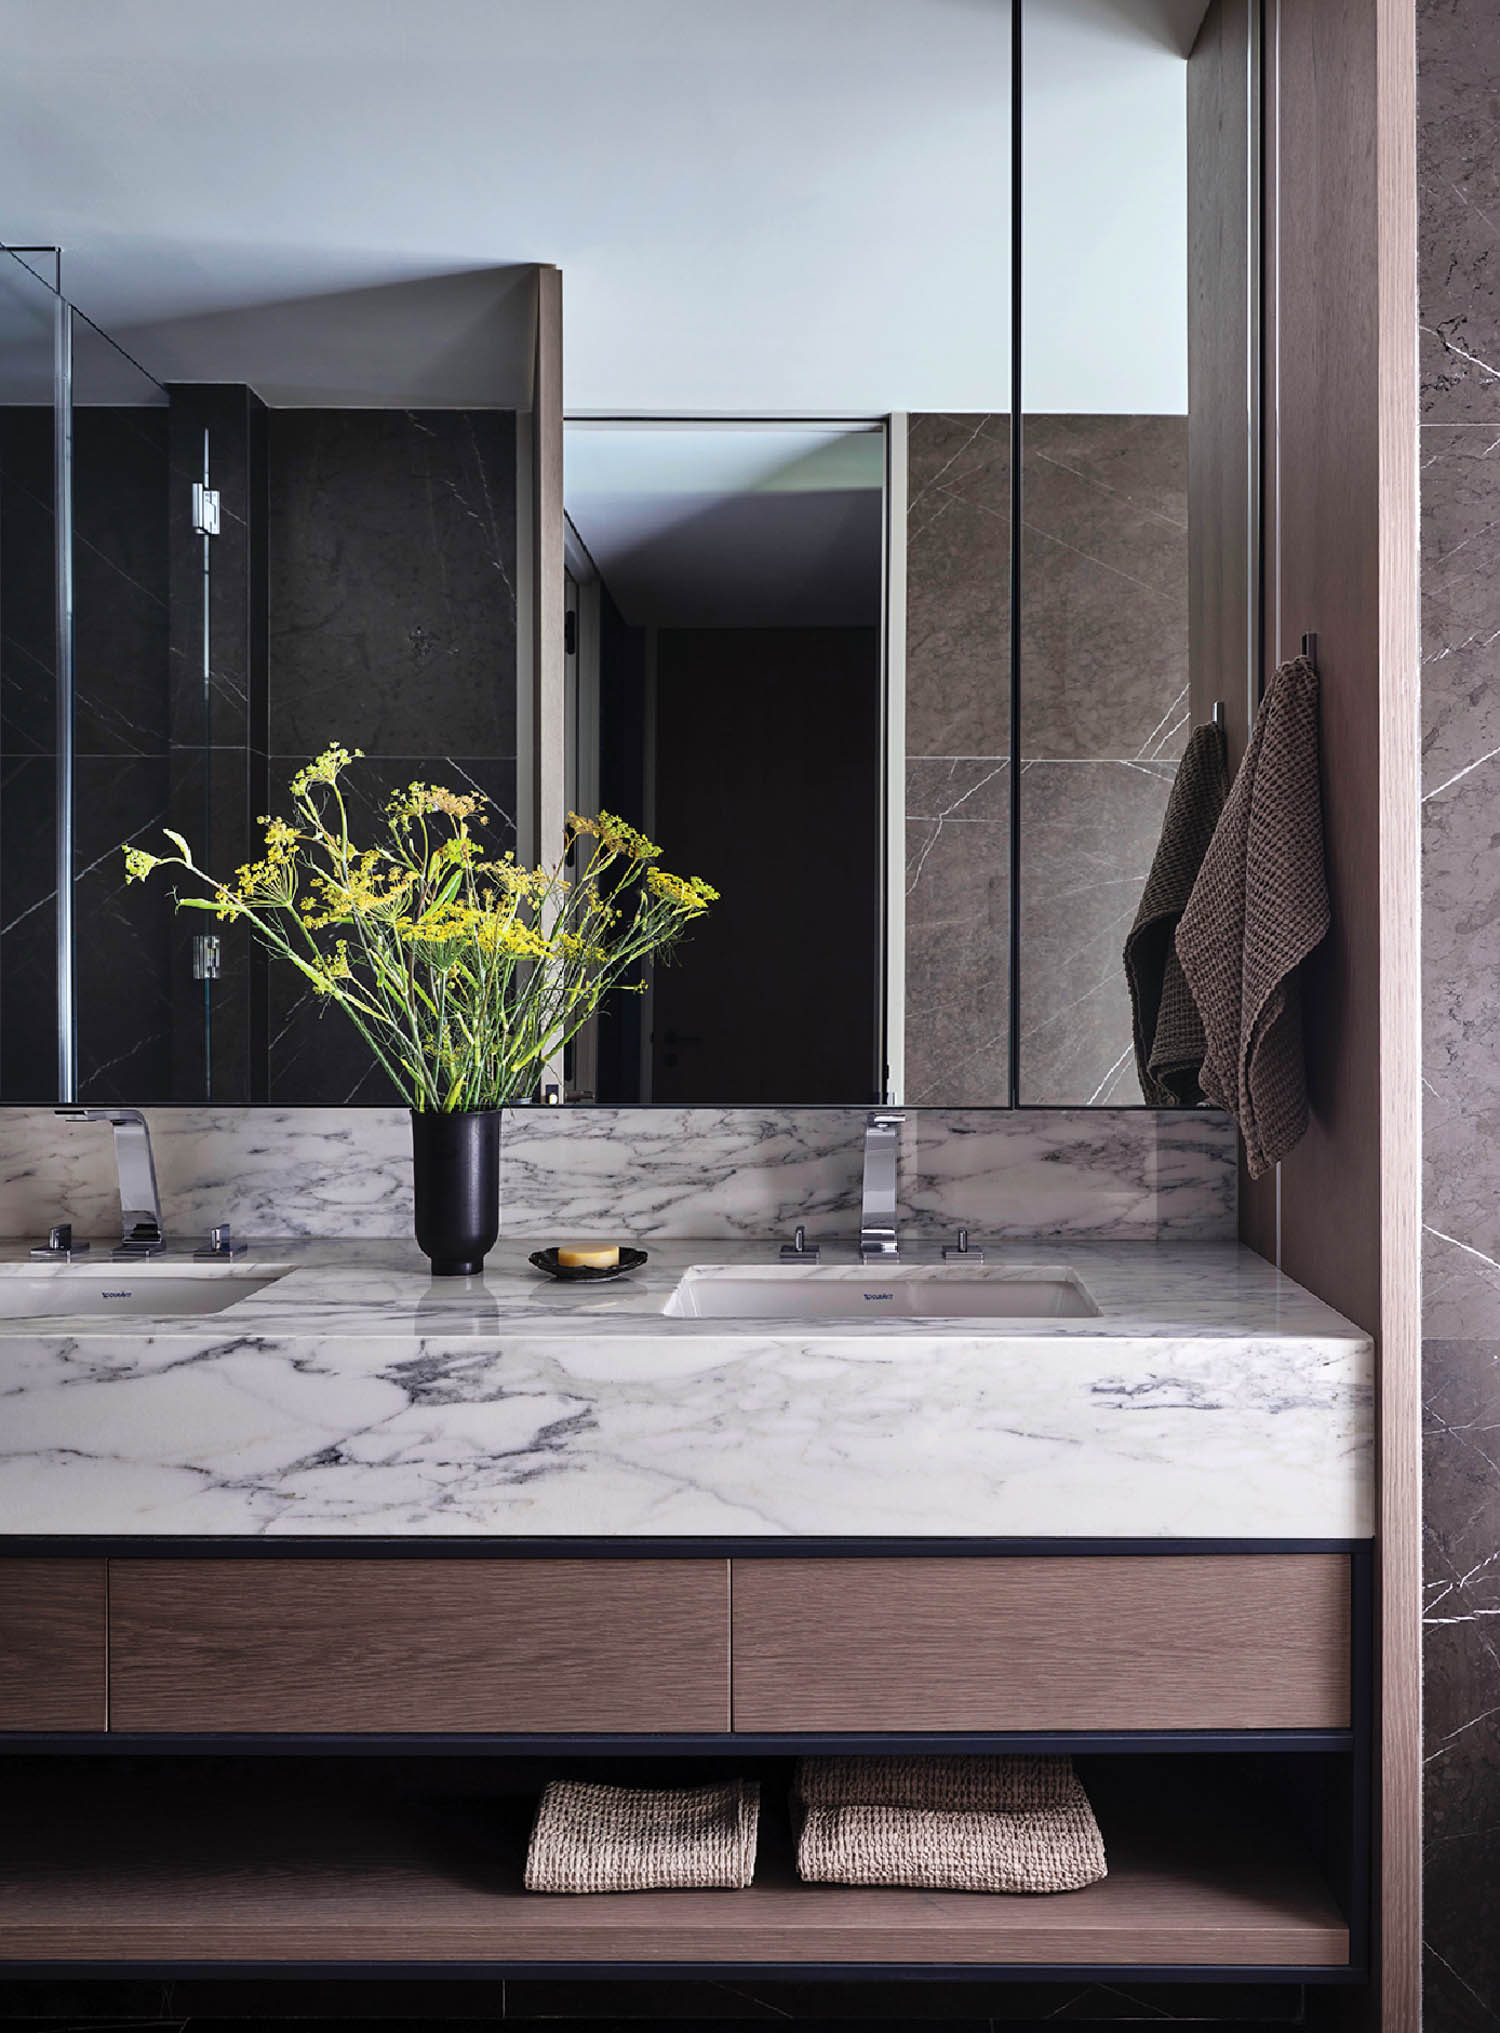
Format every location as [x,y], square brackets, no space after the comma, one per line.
[880,1298]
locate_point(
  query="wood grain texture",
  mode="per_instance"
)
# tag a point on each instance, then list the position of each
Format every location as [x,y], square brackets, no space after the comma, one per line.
[1199,1642]
[1400,1347]
[1223,570]
[52,1642]
[364,1873]
[427,1645]
[1342,560]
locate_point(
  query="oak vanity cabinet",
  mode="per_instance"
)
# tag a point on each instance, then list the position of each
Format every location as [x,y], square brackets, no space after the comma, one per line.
[365,1647]
[1238,1641]
[52,1645]
[1211,1697]
[747,1645]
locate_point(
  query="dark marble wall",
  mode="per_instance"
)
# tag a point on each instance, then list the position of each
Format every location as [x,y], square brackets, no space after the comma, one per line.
[361,589]
[392,560]
[1104,716]
[1459,198]
[217,732]
[120,745]
[28,769]
[122,773]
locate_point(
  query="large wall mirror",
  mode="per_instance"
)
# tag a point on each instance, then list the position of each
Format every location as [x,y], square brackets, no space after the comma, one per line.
[908,515]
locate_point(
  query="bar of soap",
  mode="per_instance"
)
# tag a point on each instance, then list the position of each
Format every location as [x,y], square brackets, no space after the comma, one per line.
[577,1258]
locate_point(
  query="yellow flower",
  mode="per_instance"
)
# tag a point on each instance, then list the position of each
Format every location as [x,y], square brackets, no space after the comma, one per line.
[419,798]
[690,894]
[323,769]
[621,838]
[281,839]
[516,881]
[139,864]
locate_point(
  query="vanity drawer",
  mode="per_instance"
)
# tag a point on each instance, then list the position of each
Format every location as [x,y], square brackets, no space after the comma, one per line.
[1203,1641]
[419,1645]
[52,1644]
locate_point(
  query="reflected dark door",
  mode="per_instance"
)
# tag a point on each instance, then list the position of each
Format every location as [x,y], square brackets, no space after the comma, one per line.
[767,784]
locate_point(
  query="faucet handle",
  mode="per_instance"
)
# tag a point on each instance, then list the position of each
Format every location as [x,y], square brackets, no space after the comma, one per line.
[961,1250]
[59,1243]
[798,1251]
[221,1244]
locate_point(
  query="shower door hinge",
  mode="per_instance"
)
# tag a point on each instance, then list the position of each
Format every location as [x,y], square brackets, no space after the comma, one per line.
[205,510]
[208,956]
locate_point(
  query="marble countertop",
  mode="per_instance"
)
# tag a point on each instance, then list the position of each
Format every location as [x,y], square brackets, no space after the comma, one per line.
[356,1396]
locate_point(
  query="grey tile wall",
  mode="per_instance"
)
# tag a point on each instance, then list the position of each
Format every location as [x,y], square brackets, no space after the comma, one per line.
[1103,720]
[1459,223]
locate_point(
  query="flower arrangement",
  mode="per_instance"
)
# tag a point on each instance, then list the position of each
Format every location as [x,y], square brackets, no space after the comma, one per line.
[464,974]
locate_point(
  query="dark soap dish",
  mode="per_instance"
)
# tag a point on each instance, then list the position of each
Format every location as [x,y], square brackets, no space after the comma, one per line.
[586,1274]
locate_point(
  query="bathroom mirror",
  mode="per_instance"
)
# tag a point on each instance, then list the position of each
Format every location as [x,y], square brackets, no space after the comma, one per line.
[909,482]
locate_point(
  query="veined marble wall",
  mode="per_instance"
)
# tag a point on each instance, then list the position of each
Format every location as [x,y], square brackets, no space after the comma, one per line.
[1458,86]
[391,582]
[658,1172]
[1104,641]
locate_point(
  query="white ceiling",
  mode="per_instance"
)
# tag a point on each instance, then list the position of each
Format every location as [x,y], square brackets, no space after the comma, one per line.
[764,205]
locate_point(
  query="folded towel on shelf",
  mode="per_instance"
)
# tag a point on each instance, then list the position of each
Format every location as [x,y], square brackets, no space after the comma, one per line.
[592,1838]
[957,1785]
[1258,908]
[983,1824]
[1168,1031]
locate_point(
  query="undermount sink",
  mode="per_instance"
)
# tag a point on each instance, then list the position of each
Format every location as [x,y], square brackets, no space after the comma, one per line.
[156,1291]
[862,1292]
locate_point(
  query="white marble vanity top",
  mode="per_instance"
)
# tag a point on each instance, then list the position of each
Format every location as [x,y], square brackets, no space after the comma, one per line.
[355,1396]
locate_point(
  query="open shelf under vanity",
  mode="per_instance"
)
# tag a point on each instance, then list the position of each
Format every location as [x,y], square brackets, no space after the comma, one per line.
[1217,1863]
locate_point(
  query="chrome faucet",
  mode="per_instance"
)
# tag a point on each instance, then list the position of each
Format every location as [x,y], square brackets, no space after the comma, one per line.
[877,1211]
[140,1201]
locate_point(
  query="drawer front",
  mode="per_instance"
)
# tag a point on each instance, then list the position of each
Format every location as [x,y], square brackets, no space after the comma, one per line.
[419,1645]
[1208,1641]
[52,1645]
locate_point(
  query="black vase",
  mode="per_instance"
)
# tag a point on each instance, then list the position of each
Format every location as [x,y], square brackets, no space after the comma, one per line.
[456,1176]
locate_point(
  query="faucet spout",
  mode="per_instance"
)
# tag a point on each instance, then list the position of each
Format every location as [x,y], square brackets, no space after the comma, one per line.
[877,1215]
[140,1200]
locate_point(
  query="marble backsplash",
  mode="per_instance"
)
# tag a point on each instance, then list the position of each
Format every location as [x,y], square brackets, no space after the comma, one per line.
[701,1172]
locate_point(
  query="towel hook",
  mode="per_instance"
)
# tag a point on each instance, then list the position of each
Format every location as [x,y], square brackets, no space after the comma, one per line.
[1310,649]
[1218,712]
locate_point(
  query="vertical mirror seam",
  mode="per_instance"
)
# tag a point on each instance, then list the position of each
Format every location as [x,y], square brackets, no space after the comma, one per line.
[67,1001]
[1013,940]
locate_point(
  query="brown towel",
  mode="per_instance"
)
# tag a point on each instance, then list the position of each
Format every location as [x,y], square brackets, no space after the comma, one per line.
[1169,1042]
[590,1838]
[1258,908]
[984,1824]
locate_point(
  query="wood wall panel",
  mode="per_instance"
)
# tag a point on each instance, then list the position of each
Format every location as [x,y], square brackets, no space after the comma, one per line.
[52,1645]
[1342,562]
[1204,1641]
[1222,368]
[419,1645]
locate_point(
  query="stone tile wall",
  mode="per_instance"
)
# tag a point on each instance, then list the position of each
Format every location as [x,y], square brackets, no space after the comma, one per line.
[1459,199]
[1104,645]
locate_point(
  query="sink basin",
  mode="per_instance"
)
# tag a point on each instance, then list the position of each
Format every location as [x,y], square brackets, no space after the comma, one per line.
[889,1292]
[128,1289]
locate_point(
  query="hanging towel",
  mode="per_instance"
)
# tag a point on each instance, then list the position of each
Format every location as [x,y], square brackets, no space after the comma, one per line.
[946,1824]
[591,1838]
[1169,1040]
[1258,908]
